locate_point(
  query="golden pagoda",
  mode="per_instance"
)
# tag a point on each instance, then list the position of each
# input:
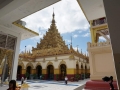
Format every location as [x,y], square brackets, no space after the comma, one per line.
[52,58]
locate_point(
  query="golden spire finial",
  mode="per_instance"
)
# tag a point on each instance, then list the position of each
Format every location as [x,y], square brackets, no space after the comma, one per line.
[85,55]
[77,48]
[71,40]
[53,20]
[81,51]
[53,13]
[71,43]
[25,49]
[29,52]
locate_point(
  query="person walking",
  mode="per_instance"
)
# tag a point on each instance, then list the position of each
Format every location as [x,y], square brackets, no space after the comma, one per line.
[40,77]
[22,80]
[66,79]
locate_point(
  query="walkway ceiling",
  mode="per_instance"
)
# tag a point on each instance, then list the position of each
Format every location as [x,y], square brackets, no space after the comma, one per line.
[93,9]
[13,10]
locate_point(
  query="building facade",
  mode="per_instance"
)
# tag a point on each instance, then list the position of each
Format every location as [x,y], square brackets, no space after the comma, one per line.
[100,53]
[13,30]
[53,59]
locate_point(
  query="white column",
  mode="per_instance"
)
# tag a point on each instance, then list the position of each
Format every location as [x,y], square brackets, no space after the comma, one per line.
[15,59]
[112,10]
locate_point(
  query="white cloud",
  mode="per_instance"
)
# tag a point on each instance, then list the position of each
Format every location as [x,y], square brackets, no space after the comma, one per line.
[75,48]
[35,39]
[75,35]
[69,41]
[86,35]
[68,15]
[28,47]
[102,38]
[80,31]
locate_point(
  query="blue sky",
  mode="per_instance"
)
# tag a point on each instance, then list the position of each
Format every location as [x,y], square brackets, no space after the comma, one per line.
[70,21]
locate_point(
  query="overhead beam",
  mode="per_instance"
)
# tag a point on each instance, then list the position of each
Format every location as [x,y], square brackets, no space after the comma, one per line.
[103,35]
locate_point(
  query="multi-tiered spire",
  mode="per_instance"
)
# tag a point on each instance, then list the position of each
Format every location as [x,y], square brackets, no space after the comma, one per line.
[52,39]
[53,20]
[52,44]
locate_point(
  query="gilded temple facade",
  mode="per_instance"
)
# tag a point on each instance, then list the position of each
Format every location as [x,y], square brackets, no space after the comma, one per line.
[52,58]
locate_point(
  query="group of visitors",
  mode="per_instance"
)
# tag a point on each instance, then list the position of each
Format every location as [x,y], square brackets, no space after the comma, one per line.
[12,83]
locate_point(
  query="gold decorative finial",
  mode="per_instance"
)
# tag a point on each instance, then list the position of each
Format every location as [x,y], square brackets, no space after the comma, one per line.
[77,48]
[71,40]
[53,13]
[81,51]
[25,49]
[53,21]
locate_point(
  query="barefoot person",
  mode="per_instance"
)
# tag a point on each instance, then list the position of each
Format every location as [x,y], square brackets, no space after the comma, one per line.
[22,80]
[66,79]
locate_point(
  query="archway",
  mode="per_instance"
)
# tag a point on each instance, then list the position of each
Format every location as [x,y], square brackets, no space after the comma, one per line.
[77,69]
[62,71]
[86,75]
[28,72]
[50,72]
[81,68]
[85,69]
[82,72]
[19,72]
[38,71]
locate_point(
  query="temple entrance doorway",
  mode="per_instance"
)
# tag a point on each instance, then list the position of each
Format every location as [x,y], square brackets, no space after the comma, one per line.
[38,71]
[82,72]
[50,72]
[62,71]
[28,72]
[85,69]
[19,72]
[86,76]
[77,69]
[81,69]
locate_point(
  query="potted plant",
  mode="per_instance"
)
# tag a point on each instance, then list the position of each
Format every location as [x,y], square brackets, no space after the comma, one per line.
[57,77]
[77,76]
[82,76]
[27,75]
[43,76]
[31,76]
[72,79]
[34,76]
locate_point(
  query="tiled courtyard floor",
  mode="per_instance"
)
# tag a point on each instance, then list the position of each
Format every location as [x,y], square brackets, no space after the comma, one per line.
[51,85]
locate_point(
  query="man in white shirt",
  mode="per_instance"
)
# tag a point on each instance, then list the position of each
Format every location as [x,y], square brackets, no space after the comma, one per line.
[40,77]
[22,80]
[66,79]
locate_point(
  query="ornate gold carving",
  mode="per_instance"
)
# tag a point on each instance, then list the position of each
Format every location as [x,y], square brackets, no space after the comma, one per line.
[71,57]
[56,58]
[38,64]
[62,62]
[9,54]
[30,64]
[2,54]
[21,64]
[49,63]
[43,59]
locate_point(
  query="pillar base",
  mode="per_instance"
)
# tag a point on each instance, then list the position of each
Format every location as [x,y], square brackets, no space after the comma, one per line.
[99,85]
